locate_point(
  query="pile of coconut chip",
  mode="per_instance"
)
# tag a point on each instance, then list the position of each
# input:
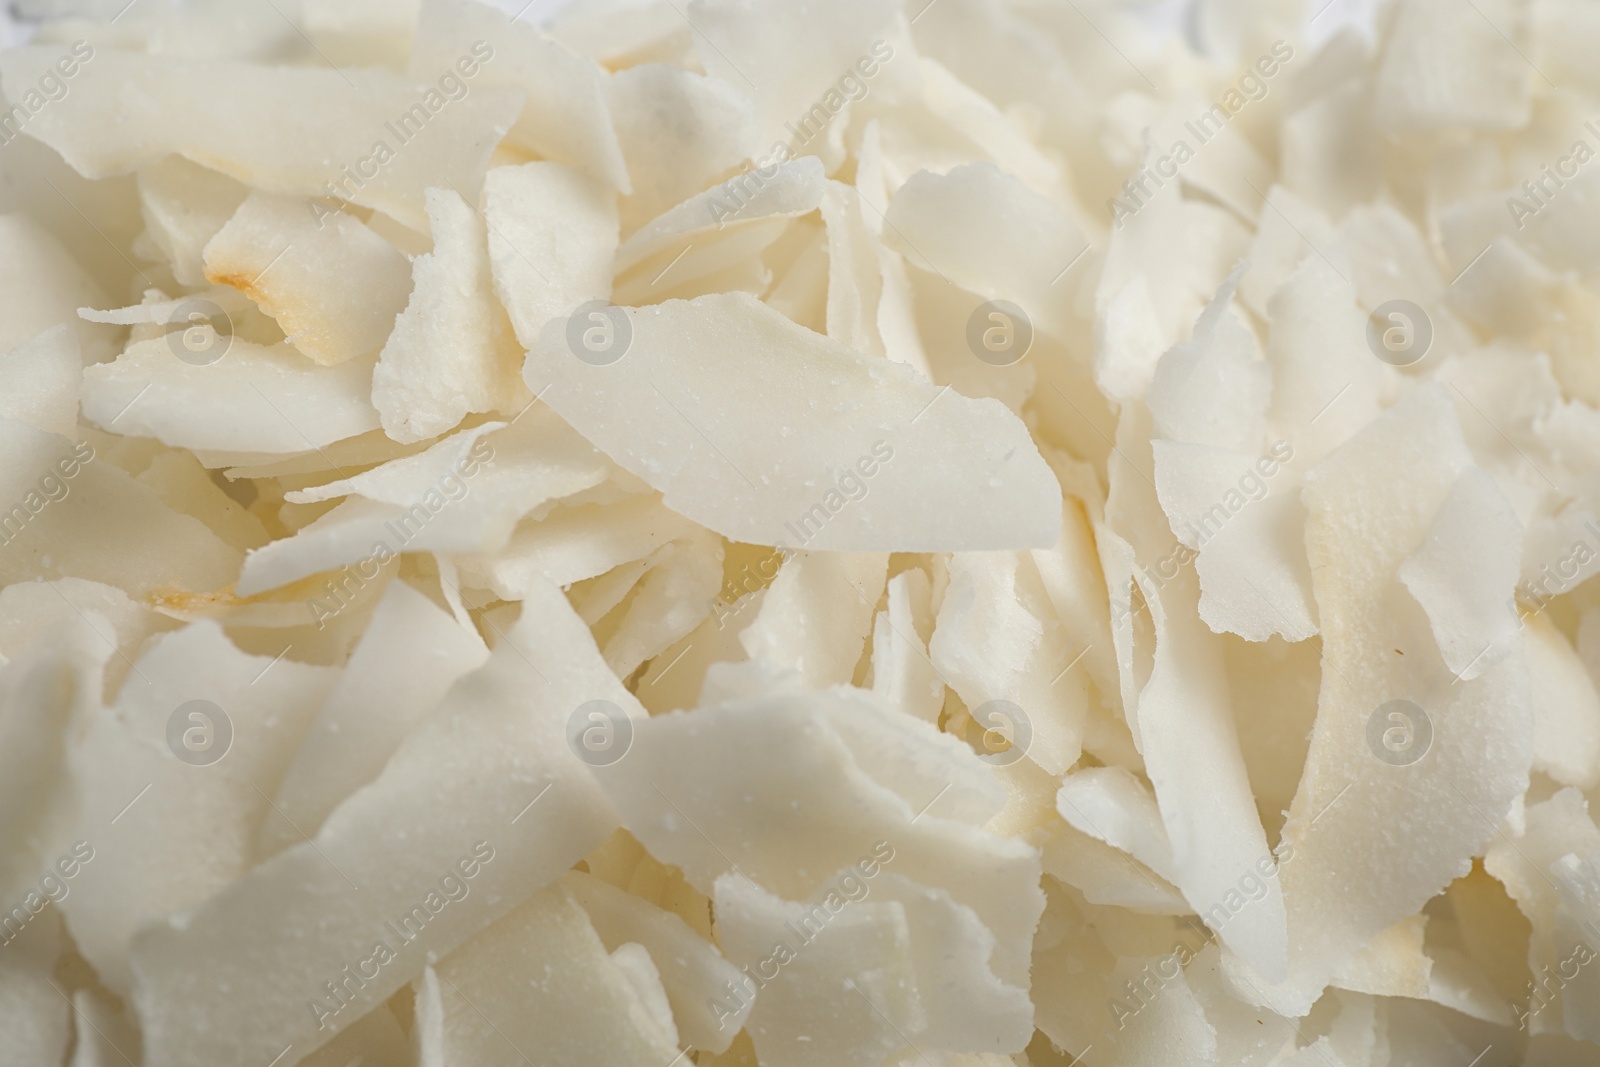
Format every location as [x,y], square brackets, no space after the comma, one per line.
[814,535]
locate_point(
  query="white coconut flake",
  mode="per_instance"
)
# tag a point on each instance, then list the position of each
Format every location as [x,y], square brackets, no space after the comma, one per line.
[718,368]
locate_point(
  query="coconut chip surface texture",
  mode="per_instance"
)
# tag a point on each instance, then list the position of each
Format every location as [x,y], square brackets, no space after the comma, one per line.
[799,533]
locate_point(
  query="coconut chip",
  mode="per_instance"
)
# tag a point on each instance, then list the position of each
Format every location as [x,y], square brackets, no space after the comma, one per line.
[736,533]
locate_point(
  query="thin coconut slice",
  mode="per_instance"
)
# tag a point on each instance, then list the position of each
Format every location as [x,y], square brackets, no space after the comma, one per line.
[1072,973]
[332,284]
[575,543]
[183,206]
[1566,707]
[1274,686]
[782,188]
[1391,259]
[1072,578]
[158,309]
[30,609]
[1224,490]
[875,963]
[1289,232]
[669,602]
[187,488]
[1225,165]
[786,59]
[452,350]
[716,229]
[484,795]
[1461,570]
[987,232]
[968,124]
[74,514]
[677,678]
[854,271]
[594,599]
[624,37]
[1451,760]
[552,236]
[678,131]
[39,381]
[44,286]
[800,263]
[1328,154]
[253,399]
[409,656]
[1175,1019]
[1246,1036]
[1393,964]
[1239,516]
[1106,875]
[564,116]
[377,1037]
[1213,388]
[1150,291]
[727,368]
[1479,944]
[694,974]
[1114,806]
[51,691]
[1180,715]
[201,727]
[1325,384]
[903,675]
[944,315]
[998,645]
[919,763]
[773,762]
[366,136]
[817,615]
[1446,73]
[497,999]
[404,479]
[37,1018]
[464,494]
[1556,896]
[362,32]
[1577,882]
